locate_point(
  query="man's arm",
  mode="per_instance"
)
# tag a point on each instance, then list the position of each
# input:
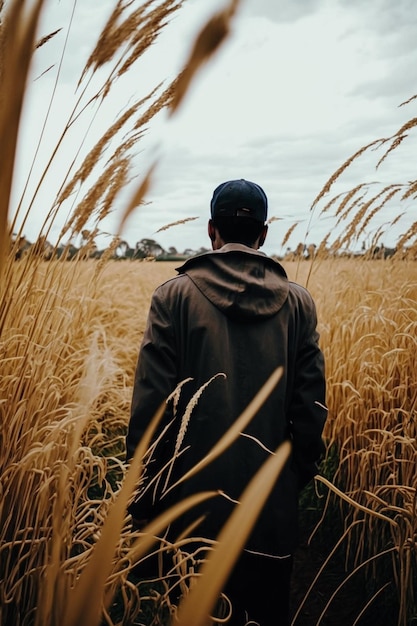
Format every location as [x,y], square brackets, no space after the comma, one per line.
[308,411]
[155,379]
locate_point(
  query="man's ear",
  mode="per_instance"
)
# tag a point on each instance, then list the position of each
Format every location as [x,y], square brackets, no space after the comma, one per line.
[263,235]
[211,230]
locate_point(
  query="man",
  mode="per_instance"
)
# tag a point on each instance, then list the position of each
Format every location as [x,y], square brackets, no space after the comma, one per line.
[223,325]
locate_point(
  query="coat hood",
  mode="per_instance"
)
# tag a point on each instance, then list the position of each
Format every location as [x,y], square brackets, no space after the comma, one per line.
[242,282]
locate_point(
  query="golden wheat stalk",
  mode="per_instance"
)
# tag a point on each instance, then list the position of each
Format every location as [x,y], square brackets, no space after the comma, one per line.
[177,223]
[207,42]
[17,37]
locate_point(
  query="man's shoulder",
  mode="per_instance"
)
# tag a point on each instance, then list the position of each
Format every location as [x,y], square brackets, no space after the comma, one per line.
[300,293]
[172,285]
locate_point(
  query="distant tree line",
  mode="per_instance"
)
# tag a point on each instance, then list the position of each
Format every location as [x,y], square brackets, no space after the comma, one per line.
[143,249]
[306,252]
[149,249]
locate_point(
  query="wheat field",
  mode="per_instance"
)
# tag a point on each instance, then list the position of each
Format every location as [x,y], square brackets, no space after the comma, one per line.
[69,343]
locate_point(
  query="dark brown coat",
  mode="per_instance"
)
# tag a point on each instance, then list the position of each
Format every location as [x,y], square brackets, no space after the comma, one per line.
[232,316]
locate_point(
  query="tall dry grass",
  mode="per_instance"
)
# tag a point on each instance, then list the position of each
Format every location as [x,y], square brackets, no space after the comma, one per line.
[368,316]
[371,208]
[65,420]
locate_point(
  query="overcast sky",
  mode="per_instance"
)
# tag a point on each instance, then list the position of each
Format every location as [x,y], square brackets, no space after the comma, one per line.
[296,89]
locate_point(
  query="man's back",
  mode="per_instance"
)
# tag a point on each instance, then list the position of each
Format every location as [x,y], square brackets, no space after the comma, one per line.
[231,317]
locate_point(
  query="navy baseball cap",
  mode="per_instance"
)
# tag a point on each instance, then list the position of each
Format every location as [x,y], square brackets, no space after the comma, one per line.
[240,198]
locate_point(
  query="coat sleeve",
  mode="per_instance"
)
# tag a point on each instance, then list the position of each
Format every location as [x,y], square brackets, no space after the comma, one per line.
[155,379]
[307,410]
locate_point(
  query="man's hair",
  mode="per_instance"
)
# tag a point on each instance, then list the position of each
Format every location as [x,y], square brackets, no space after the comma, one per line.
[243,230]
